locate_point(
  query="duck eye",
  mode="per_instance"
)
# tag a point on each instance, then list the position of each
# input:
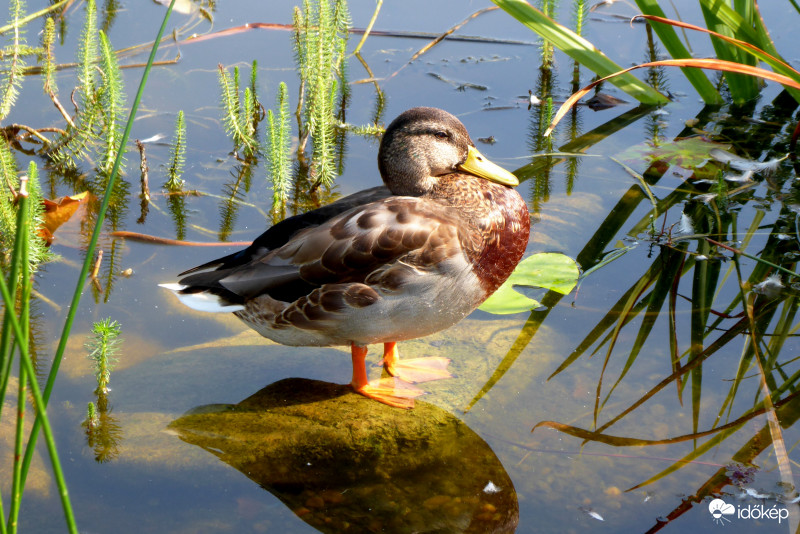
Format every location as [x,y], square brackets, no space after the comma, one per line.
[441,135]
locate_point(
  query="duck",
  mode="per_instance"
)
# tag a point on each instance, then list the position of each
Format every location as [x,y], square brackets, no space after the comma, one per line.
[392,263]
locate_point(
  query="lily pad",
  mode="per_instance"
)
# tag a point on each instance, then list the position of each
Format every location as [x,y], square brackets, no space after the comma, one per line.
[548,270]
[689,152]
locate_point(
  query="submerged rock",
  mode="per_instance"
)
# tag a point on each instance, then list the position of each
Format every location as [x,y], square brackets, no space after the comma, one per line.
[340,461]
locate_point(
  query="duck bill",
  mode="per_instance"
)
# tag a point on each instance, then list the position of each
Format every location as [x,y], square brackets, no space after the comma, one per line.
[478,165]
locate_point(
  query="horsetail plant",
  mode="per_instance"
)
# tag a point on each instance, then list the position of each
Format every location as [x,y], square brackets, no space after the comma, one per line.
[177,156]
[104,346]
[74,146]
[176,202]
[112,100]
[321,33]
[48,58]
[91,416]
[11,323]
[13,63]
[237,118]
[277,151]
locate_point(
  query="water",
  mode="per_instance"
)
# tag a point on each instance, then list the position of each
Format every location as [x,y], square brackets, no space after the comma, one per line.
[159,477]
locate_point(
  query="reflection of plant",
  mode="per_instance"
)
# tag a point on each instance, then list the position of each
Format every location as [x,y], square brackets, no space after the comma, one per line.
[723,304]
[103,433]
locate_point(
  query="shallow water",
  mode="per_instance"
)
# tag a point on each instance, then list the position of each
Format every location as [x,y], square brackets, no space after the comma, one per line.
[158,477]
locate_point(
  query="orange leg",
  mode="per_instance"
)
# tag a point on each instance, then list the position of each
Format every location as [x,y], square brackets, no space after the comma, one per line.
[382,390]
[416,369]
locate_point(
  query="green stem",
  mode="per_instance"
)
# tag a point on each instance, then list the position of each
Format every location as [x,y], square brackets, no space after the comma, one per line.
[26,368]
[32,16]
[754,258]
[41,419]
[369,28]
[20,259]
[76,298]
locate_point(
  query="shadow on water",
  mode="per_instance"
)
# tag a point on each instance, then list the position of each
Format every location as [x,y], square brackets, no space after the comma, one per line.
[337,461]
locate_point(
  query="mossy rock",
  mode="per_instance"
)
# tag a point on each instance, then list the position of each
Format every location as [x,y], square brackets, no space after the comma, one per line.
[342,462]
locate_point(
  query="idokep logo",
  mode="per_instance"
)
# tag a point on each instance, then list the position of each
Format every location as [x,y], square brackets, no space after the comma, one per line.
[719,509]
[722,512]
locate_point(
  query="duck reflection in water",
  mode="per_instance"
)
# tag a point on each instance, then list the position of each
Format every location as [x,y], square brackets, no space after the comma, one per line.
[387,264]
[343,465]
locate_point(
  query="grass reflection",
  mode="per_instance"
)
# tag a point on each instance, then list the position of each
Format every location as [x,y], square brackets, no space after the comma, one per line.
[723,281]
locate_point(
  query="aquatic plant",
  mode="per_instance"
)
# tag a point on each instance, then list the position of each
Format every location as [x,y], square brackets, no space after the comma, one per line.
[177,155]
[320,35]
[103,347]
[277,150]
[739,37]
[698,283]
[239,117]
[13,63]
[112,101]
[48,58]
[16,288]
[101,97]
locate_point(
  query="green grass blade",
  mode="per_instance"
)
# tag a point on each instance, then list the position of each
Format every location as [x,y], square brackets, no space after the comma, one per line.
[742,88]
[579,49]
[669,38]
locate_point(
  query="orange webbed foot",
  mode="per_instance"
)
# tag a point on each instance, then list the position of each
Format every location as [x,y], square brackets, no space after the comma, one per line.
[386,390]
[414,370]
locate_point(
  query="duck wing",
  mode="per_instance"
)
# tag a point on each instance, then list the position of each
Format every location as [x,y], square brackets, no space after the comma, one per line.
[381,242]
[279,234]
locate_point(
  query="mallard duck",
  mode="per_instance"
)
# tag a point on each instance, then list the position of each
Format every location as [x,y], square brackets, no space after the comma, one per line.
[387,264]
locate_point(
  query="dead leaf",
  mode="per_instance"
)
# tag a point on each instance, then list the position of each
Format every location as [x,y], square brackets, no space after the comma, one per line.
[57,212]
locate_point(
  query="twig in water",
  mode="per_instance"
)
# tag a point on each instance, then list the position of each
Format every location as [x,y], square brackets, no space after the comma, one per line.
[98,261]
[155,240]
[60,108]
[145,194]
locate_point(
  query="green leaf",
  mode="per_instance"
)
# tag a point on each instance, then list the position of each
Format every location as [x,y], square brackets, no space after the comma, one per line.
[677,50]
[579,49]
[548,270]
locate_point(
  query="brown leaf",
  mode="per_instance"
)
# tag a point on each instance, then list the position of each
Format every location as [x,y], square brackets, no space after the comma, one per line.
[57,212]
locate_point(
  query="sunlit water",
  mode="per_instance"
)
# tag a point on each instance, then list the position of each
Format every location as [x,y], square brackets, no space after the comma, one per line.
[160,477]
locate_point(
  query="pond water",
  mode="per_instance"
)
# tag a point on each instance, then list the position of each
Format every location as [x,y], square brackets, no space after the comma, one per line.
[272,445]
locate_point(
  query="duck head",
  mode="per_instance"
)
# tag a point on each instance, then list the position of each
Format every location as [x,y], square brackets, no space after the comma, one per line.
[423,144]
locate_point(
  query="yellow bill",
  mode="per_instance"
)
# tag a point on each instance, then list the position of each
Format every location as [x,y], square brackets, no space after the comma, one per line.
[478,165]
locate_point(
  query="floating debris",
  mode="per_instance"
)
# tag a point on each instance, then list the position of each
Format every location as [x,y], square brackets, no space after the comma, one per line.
[751,491]
[706,197]
[591,513]
[602,101]
[743,164]
[491,488]
[153,139]
[533,100]
[746,176]
[685,227]
[460,86]
[771,287]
